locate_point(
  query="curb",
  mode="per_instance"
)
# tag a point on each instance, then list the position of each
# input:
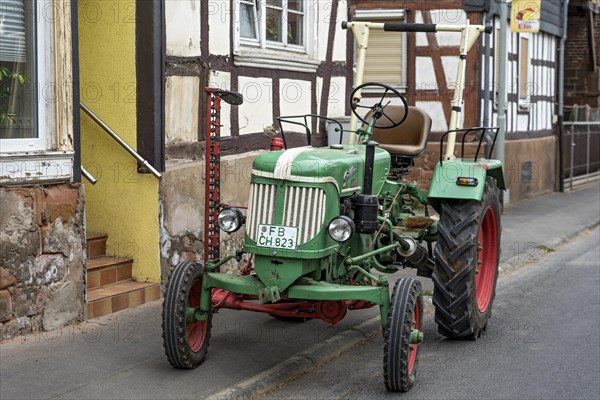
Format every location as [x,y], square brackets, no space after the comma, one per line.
[309,359]
[517,261]
[301,363]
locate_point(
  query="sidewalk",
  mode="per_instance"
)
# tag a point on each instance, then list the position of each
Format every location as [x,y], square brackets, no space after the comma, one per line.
[121,355]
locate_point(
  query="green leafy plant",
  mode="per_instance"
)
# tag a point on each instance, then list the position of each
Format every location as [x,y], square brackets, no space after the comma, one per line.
[6,78]
[545,248]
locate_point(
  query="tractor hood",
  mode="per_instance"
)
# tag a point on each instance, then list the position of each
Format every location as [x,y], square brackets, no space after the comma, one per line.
[344,167]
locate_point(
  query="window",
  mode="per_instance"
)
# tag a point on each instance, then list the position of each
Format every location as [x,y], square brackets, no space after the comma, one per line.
[22,126]
[386,54]
[283,23]
[281,32]
[524,84]
[497,63]
[497,56]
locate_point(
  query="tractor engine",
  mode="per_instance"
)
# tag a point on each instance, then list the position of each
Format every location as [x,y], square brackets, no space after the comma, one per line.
[296,194]
[300,212]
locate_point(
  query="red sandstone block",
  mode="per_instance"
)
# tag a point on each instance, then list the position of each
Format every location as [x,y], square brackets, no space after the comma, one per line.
[61,201]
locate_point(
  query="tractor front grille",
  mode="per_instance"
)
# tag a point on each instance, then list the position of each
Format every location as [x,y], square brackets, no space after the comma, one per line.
[261,207]
[303,208]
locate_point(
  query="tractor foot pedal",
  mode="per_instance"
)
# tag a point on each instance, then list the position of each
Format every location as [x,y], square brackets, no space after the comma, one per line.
[418,222]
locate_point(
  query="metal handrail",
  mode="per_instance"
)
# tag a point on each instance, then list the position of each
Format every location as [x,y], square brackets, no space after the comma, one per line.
[88,176]
[581,123]
[116,137]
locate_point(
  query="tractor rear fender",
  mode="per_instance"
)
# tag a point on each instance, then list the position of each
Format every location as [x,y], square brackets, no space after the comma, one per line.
[445,180]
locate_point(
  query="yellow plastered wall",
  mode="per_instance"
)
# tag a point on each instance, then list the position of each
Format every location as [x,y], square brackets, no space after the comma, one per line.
[123,204]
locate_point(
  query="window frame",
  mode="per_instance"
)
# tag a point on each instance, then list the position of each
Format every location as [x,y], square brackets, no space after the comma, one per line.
[524,102]
[43,37]
[254,52]
[383,15]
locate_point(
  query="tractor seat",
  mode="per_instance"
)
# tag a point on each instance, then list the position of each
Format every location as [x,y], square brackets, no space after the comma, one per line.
[409,139]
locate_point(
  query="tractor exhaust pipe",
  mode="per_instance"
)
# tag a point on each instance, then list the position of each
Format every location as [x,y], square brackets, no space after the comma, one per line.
[366,205]
[369,163]
[415,254]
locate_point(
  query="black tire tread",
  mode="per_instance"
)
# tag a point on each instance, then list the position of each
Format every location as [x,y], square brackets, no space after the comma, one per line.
[455,253]
[174,336]
[406,293]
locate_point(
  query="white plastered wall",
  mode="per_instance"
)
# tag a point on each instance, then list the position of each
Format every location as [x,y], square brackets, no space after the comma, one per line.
[256,113]
[294,97]
[424,68]
[222,80]
[181,101]
[182,28]
[219,22]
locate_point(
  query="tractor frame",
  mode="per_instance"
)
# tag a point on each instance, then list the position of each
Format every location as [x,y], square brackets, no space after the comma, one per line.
[300,199]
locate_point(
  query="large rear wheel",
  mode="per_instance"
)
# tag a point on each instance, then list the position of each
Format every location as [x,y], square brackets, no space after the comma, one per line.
[402,335]
[185,337]
[466,264]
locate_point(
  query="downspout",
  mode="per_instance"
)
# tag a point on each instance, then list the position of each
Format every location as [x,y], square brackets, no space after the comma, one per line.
[502,82]
[486,91]
[76,111]
[561,94]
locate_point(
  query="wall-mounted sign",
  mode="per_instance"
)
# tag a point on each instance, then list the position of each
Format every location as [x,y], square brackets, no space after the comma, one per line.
[525,15]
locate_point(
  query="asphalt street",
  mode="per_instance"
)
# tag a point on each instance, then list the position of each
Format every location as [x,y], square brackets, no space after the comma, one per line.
[542,342]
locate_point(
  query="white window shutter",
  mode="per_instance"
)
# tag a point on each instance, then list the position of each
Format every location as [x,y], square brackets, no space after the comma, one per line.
[384,58]
[13,45]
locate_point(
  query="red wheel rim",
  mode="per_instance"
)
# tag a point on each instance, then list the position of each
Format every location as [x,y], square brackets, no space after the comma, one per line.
[412,349]
[195,331]
[487,255]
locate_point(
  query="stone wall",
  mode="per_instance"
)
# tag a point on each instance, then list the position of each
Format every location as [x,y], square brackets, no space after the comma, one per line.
[182,209]
[530,167]
[582,77]
[42,258]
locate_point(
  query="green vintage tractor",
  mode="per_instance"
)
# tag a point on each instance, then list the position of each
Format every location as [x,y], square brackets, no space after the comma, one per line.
[324,226]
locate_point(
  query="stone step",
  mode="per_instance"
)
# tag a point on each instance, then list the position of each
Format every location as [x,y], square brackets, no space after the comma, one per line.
[96,244]
[128,294]
[105,271]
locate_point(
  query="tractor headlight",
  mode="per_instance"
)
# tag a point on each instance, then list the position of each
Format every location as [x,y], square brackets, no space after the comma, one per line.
[230,220]
[341,228]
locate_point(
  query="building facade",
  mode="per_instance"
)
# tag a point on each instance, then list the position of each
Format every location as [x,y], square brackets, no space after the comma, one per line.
[139,70]
[285,58]
[430,75]
[71,249]
[42,238]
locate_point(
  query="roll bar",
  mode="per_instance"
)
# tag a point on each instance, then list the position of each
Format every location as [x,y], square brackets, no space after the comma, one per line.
[469,34]
[402,27]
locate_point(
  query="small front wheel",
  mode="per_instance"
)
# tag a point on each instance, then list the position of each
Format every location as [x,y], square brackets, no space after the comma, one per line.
[185,337]
[403,335]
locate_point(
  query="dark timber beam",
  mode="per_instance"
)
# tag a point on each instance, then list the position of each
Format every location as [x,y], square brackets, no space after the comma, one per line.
[150,75]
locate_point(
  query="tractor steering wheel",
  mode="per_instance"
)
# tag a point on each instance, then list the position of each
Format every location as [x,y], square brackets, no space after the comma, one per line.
[378,108]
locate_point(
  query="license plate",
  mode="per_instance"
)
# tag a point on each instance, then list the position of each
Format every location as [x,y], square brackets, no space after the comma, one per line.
[277,237]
